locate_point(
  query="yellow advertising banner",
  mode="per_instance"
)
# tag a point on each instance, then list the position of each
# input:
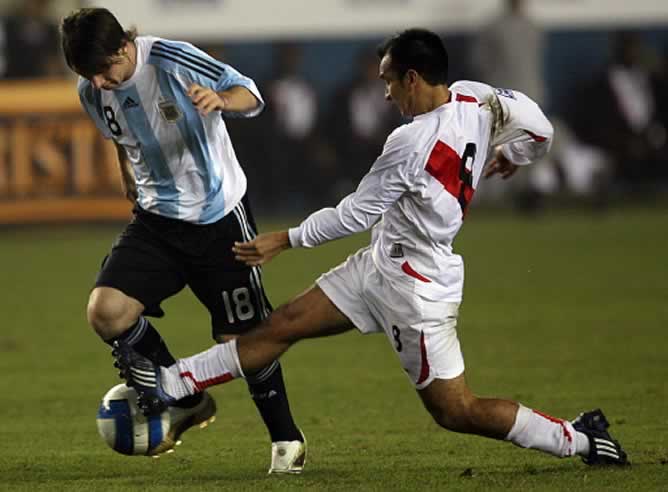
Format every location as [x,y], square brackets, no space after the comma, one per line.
[54,164]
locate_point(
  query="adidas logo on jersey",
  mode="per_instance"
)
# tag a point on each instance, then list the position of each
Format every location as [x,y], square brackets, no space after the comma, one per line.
[130,103]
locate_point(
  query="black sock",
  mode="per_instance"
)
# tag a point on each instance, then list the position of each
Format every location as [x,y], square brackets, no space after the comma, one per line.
[146,340]
[268,391]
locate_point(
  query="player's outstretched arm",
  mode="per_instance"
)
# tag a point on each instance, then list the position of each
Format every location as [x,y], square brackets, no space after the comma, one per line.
[261,249]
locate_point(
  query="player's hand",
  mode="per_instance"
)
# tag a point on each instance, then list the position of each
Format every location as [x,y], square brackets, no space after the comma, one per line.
[205,100]
[261,249]
[500,165]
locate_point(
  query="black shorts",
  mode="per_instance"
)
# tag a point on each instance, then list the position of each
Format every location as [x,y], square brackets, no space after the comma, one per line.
[155,257]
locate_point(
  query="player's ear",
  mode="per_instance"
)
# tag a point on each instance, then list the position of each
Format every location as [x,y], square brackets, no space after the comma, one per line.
[411,77]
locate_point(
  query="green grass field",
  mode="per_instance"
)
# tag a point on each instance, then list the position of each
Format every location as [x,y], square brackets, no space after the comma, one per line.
[565,313]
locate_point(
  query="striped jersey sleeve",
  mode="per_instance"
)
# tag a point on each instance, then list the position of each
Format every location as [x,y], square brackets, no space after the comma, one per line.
[192,65]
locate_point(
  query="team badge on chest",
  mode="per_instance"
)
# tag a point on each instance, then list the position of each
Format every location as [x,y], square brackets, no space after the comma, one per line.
[169,111]
[397,251]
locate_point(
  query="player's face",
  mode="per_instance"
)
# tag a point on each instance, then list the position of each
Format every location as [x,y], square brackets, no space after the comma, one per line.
[109,79]
[120,69]
[396,90]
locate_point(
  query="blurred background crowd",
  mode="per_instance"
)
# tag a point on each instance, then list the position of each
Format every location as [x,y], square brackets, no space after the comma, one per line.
[605,89]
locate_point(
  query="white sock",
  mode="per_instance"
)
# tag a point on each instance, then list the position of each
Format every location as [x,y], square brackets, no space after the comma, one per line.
[581,444]
[191,375]
[535,430]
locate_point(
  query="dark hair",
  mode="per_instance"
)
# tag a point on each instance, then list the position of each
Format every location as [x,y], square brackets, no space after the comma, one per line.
[420,50]
[90,37]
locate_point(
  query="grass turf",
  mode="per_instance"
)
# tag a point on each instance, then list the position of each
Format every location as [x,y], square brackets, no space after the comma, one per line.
[565,313]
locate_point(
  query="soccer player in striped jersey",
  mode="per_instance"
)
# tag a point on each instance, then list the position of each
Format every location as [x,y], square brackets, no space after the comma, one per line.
[408,282]
[164,104]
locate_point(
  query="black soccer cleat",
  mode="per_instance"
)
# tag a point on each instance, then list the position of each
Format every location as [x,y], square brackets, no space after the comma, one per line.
[603,449]
[144,376]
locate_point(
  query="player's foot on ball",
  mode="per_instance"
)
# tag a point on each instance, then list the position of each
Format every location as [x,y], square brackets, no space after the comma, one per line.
[144,376]
[288,457]
[603,449]
[182,419]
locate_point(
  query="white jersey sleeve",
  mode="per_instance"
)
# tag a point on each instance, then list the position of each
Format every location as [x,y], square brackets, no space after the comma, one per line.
[388,179]
[522,130]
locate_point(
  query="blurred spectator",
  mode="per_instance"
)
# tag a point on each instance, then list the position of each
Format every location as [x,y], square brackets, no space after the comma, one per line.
[31,42]
[509,51]
[294,102]
[619,111]
[295,168]
[574,169]
[361,121]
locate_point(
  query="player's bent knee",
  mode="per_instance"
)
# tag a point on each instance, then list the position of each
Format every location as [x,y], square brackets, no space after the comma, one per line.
[455,418]
[451,406]
[110,312]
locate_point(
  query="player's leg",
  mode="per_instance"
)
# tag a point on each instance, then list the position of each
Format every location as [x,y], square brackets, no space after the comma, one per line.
[234,295]
[236,301]
[331,307]
[110,312]
[141,271]
[116,316]
[447,397]
[134,279]
[310,315]
[455,408]
[266,385]
[423,335]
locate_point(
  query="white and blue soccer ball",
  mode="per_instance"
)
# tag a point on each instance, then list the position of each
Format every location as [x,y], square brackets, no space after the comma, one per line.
[124,428]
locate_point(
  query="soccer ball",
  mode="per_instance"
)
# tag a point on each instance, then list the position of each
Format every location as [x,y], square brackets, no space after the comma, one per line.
[124,428]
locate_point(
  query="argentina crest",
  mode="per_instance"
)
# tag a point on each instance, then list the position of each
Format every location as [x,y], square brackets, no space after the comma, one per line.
[169,111]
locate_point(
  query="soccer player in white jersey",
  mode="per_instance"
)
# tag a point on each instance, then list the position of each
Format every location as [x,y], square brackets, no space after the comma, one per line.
[408,282]
[163,102]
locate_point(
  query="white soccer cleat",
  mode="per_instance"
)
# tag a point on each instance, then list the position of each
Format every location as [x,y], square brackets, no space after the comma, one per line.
[288,457]
[182,419]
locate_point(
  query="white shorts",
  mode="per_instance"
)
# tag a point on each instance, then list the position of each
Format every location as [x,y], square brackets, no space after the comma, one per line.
[422,332]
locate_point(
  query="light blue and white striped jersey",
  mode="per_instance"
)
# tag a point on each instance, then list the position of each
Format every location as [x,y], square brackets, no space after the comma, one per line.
[184,163]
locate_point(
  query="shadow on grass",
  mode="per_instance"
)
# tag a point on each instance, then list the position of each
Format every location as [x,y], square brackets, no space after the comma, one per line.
[9,345]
